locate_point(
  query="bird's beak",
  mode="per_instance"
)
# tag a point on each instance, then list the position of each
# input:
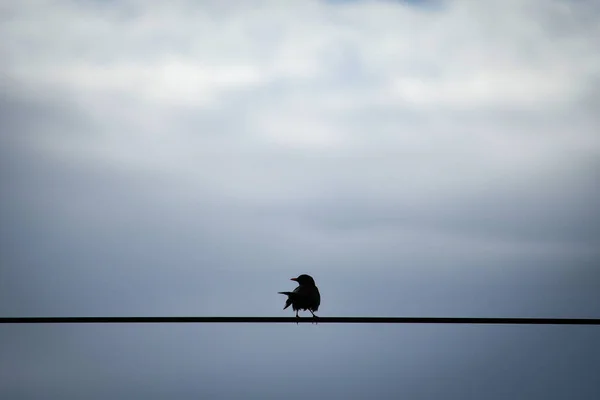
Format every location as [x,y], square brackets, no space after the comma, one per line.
[294,279]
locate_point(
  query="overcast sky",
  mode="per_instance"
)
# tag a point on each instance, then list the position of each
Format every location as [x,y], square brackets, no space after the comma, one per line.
[417,158]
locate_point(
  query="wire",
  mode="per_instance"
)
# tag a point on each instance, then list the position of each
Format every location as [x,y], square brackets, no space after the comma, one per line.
[321,320]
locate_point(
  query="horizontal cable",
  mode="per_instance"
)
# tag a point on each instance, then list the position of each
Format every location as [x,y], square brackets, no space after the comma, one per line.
[321,320]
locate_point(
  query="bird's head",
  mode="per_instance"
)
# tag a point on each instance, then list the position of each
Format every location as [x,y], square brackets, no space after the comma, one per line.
[305,280]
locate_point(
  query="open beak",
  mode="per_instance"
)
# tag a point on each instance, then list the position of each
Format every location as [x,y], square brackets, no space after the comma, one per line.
[294,279]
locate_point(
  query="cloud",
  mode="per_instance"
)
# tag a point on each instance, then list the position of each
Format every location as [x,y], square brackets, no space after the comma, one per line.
[356,122]
[449,117]
[438,158]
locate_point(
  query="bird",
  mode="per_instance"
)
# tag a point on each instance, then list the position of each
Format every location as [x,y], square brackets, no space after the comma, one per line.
[305,297]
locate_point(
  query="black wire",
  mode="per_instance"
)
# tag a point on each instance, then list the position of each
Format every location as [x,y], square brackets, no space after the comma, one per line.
[321,320]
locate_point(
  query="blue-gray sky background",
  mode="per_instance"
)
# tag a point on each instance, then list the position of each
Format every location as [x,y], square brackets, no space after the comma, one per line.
[418,158]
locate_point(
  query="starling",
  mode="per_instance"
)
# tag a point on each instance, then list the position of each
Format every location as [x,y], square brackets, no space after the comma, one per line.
[305,297]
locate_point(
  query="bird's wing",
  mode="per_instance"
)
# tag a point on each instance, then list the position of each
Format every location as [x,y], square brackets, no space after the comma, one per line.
[315,299]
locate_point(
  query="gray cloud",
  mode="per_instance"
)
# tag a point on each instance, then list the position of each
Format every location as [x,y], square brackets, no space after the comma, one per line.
[417,158]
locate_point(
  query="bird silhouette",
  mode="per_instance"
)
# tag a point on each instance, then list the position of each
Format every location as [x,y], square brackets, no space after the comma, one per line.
[305,297]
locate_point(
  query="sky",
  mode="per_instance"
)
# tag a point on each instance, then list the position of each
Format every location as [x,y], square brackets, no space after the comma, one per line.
[187,158]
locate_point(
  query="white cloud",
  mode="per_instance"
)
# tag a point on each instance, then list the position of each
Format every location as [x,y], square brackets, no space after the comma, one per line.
[465,54]
[272,102]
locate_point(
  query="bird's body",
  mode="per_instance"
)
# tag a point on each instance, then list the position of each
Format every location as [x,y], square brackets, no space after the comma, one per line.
[304,297]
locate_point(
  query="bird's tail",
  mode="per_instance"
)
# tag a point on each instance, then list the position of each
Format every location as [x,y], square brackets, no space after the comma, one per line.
[288,302]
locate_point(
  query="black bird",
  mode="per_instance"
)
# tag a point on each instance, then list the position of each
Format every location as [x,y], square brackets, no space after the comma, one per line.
[305,297]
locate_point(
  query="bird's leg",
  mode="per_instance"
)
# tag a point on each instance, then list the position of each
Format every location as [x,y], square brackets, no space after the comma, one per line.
[297,317]
[314,316]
